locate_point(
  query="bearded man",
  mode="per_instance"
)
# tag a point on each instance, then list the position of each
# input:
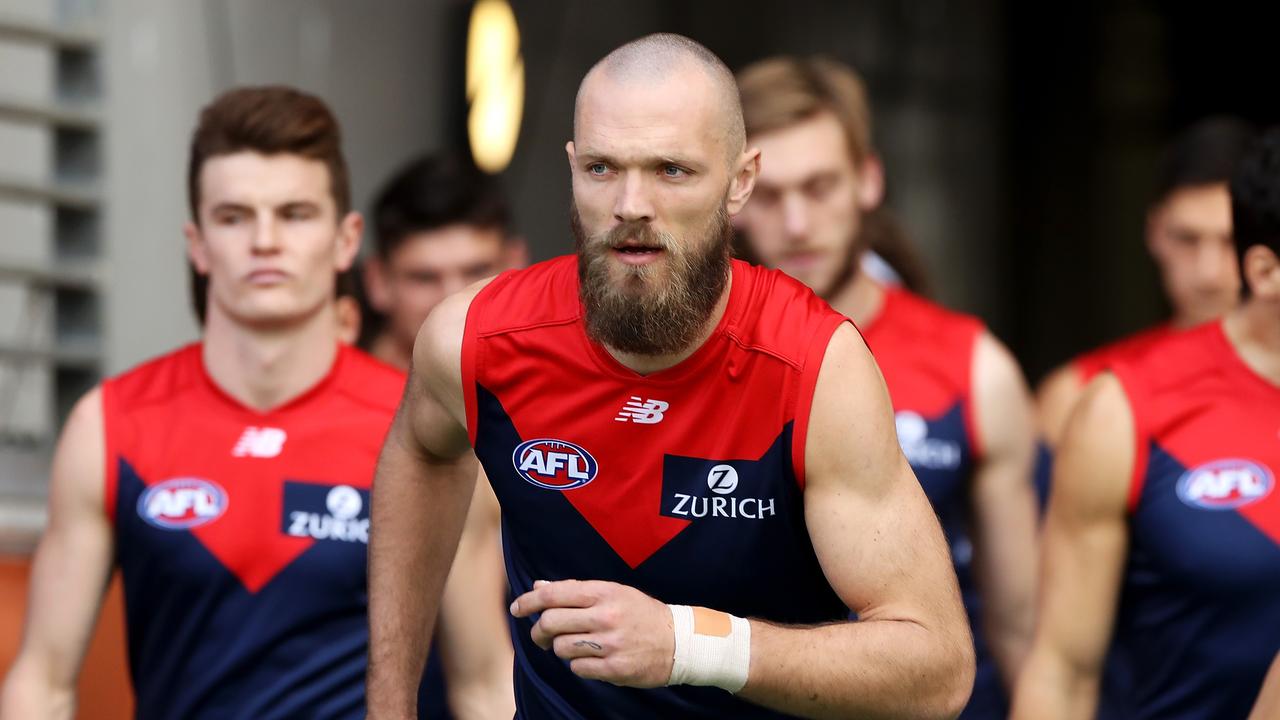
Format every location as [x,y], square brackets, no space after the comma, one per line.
[695,457]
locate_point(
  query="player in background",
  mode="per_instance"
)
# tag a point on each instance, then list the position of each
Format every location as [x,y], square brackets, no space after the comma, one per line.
[1188,233]
[229,480]
[963,411]
[1163,529]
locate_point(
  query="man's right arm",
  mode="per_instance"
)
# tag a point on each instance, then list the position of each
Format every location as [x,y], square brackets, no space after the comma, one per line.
[1085,545]
[421,495]
[69,574]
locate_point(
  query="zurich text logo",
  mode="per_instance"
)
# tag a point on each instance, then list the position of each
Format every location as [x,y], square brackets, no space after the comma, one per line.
[182,503]
[722,480]
[554,464]
[1225,484]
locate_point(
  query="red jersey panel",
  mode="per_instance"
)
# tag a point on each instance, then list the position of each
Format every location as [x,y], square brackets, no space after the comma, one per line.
[1200,612]
[242,537]
[685,483]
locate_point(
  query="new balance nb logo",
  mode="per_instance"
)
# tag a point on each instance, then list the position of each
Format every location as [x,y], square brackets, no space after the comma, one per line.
[645,412]
[260,442]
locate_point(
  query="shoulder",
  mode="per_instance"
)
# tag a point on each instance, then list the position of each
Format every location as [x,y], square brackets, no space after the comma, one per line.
[1169,364]
[1097,453]
[543,293]
[437,351]
[78,462]
[780,316]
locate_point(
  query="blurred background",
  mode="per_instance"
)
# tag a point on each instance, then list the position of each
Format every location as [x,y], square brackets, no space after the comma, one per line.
[1021,141]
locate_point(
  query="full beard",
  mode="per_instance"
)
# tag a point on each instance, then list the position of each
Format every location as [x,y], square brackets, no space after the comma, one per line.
[660,308]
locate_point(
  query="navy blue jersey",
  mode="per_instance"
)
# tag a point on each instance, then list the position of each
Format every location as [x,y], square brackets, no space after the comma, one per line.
[242,538]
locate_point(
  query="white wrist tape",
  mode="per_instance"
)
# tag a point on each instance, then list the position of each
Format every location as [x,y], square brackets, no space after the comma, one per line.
[712,648]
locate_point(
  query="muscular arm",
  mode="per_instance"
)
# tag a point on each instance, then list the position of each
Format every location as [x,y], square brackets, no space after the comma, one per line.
[1004,506]
[474,640]
[1085,544]
[422,490]
[69,575]
[1055,398]
[879,544]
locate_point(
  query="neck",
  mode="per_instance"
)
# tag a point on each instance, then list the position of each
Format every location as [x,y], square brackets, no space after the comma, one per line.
[387,348]
[859,299]
[1254,331]
[648,364]
[264,368]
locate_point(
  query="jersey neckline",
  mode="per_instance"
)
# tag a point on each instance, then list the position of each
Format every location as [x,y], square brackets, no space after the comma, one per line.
[733,308]
[298,400]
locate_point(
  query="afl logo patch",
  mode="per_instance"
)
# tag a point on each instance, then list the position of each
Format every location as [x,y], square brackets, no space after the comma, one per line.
[182,503]
[554,464]
[1225,484]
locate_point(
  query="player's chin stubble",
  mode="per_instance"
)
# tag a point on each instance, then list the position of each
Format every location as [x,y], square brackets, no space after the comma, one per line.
[657,309]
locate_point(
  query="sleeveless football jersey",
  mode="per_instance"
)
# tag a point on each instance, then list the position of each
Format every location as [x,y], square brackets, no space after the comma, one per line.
[685,483]
[925,353]
[1199,617]
[242,538]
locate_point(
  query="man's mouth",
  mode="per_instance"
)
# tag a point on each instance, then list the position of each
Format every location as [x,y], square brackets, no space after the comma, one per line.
[635,253]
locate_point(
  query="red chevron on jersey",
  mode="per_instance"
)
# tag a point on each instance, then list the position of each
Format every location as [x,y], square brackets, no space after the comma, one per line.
[192,445]
[506,338]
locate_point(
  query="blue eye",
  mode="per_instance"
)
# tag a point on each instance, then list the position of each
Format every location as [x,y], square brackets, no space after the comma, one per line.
[674,171]
[597,168]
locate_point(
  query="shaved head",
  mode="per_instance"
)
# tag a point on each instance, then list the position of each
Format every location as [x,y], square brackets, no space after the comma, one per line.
[662,56]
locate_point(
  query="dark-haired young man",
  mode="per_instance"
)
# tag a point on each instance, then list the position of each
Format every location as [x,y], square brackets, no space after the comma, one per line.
[1188,234]
[962,410]
[229,480]
[1164,523]
[440,224]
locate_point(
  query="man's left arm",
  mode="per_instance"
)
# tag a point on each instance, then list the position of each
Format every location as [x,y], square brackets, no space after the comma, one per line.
[1003,505]
[475,644]
[910,654]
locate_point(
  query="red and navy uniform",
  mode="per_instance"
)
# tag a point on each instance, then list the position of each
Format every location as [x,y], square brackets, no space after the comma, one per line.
[686,483]
[925,353]
[1199,617]
[242,538]
[1086,367]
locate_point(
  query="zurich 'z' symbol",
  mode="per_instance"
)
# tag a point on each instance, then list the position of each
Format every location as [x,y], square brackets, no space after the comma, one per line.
[554,464]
